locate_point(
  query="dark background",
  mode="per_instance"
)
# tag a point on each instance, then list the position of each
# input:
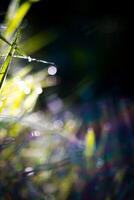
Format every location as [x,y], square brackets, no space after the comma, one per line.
[92,47]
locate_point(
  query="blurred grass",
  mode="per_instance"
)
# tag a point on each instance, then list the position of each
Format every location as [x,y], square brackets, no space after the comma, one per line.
[36,141]
[38,41]
[18,97]
[15,17]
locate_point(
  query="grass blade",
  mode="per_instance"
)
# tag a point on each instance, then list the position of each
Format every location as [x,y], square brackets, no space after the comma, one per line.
[5,66]
[13,6]
[16,21]
[38,41]
[18,50]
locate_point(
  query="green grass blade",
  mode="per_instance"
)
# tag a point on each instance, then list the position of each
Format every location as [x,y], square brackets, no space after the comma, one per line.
[38,41]
[15,22]
[21,54]
[18,50]
[5,66]
[5,40]
[12,8]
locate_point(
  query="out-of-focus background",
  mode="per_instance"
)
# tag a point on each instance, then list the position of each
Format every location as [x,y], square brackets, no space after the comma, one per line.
[91,48]
[88,41]
[67,126]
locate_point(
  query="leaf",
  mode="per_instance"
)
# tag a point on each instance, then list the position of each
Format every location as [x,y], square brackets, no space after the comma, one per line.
[38,41]
[14,23]
[5,66]
[18,50]
[90,143]
[5,40]
[13,6]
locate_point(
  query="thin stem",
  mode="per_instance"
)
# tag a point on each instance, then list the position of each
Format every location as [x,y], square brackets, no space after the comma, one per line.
[30,59]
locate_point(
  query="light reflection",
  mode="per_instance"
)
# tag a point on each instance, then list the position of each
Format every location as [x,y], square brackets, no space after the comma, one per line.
[70,124]
[39,90]
[3,27]
[58,124]
[35,133]
[52,70]
[96,159]
[23,86]
[27,90]
[29,171]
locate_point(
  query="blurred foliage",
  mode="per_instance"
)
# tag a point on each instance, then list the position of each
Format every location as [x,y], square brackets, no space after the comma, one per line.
[51,156]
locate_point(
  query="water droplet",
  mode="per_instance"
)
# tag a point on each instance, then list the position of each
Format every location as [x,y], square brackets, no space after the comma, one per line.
[52,70]
[39,90]
[29,59]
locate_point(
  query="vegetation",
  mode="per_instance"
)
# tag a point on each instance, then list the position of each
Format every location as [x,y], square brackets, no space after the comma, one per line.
[53,155]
